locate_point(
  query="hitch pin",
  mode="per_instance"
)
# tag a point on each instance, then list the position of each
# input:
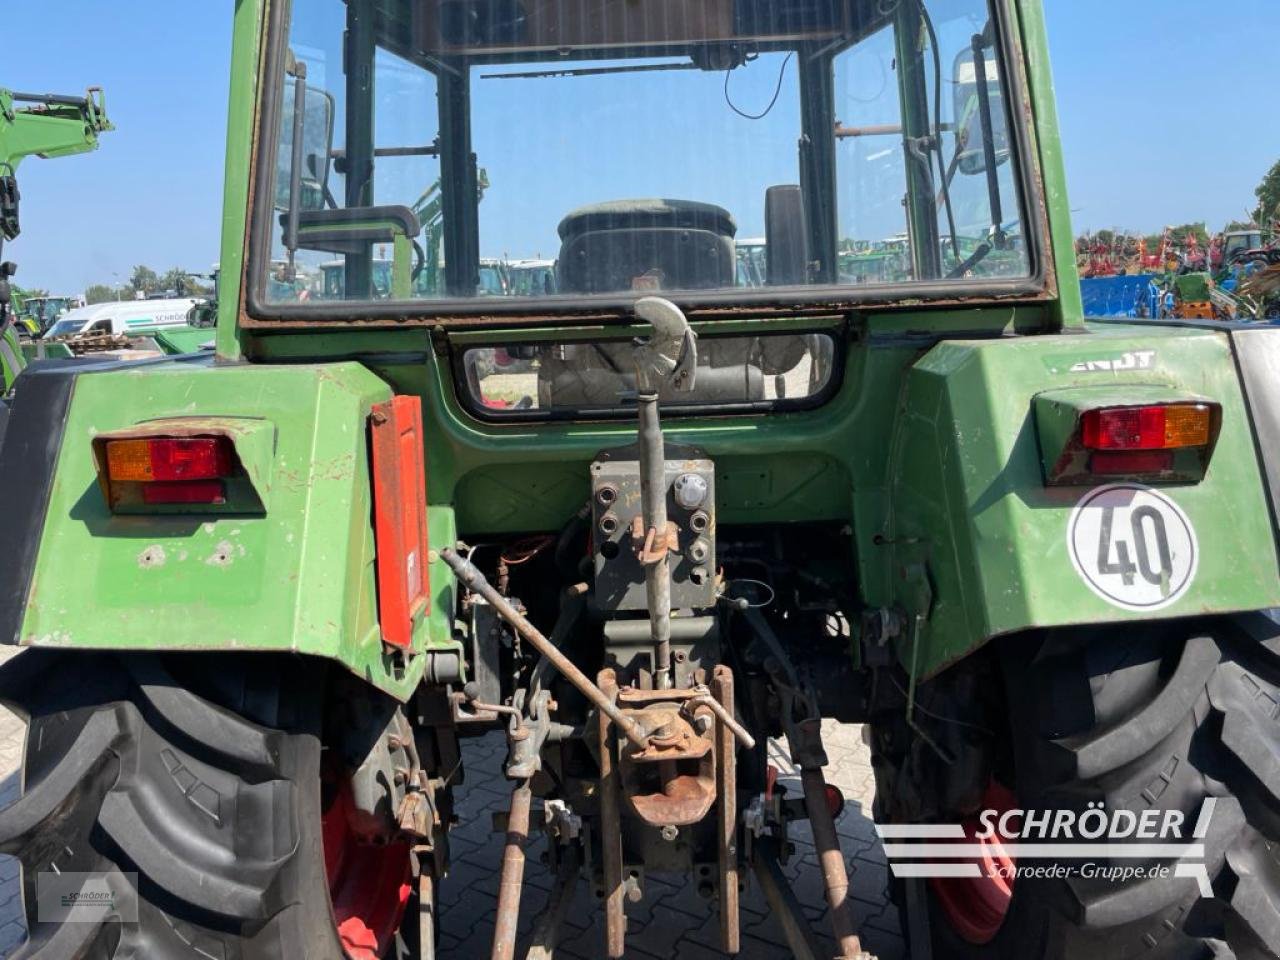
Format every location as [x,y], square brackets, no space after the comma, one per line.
[703,698]
[471,693]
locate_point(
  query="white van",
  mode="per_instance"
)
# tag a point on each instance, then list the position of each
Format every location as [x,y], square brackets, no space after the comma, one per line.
[129,318]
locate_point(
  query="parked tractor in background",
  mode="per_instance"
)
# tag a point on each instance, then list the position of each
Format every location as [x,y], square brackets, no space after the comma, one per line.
[647,524]
[45,126]
[36,314]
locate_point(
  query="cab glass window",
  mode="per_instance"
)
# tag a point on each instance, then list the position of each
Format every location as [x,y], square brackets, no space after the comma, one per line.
[506,150]
[539,380]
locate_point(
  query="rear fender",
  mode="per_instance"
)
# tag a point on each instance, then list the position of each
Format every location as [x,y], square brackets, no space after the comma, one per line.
[979,546]
[296,575]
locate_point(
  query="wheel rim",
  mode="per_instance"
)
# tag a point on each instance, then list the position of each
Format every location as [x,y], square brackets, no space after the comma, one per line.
[976,907]
[369,885]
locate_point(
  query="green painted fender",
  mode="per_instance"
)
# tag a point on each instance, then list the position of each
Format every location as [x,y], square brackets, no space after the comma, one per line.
[295,576]
[979,546]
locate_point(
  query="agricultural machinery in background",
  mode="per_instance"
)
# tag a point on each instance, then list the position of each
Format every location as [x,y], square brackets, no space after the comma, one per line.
[45,126]
[646,522]
[1233,278]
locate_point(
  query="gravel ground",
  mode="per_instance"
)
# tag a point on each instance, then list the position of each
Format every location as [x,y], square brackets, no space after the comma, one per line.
[672,922]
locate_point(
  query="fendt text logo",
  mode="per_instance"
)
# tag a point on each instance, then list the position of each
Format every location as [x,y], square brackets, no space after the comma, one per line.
[1117,845]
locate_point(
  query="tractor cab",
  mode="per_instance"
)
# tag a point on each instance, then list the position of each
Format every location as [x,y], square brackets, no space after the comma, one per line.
[656,381]
[642,143]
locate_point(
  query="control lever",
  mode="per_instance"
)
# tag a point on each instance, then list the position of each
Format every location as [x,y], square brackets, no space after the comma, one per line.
[475,581]
[670,354]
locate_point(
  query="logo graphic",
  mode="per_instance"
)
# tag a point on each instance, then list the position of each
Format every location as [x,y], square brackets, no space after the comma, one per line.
[1133,546]
[1115,845]
[1136,360]
[86,897]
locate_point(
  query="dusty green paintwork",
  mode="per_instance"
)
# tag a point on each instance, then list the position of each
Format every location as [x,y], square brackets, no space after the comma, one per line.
[972,518]
[298,577]
[42,350]
[177,340]
[926,459]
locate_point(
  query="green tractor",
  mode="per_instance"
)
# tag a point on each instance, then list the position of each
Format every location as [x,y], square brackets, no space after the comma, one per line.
[263,593]
[45,126]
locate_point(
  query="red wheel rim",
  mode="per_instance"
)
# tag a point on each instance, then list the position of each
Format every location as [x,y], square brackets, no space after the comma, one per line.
[368,885]
[976,907]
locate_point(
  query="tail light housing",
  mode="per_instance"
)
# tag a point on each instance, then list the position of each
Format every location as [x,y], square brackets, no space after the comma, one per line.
[187,465]
[1168,426]
[1087,436]
[157,470]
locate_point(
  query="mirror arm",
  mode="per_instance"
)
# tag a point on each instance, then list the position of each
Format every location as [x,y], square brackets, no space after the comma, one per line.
[988,135]
[295,169]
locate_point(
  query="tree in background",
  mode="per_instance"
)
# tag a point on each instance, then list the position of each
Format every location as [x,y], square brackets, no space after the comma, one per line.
[1180,234]
[100,293]
[1268,194]
[183,283]
[143,281]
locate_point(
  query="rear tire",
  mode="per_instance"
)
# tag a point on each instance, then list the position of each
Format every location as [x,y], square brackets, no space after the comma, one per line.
[194,782]
[1144,720]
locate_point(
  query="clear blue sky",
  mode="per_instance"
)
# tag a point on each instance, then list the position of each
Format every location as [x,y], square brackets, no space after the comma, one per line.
[1164,120]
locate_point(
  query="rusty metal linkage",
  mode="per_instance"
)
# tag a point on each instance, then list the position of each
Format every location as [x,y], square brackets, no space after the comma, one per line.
[475,581]
[803,728]
[611,829]
[546,933]
[511,884]
[724,713]
[427,913]
[831,860]
[783,903]
[727,814]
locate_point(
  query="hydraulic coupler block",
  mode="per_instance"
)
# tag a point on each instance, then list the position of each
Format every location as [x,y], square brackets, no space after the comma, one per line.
[621,543]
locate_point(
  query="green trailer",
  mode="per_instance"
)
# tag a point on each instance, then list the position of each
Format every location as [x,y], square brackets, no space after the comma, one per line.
[649,520]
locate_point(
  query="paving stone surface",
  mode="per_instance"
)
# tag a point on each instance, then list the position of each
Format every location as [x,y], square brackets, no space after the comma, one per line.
[671,923]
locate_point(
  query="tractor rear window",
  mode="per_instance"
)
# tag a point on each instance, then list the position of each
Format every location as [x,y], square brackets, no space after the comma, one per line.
[505,151]
[597,378]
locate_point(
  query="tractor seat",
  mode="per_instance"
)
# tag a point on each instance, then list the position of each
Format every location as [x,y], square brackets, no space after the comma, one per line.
[647,245]
[352,229]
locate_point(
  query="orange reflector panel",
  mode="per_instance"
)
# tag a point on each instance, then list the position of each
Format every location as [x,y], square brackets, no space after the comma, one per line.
[129,460]
[1186,425]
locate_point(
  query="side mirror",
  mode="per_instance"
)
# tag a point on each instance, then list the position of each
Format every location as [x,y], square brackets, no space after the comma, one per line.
[316,154]
[9,200]
[786,232]
[971,125]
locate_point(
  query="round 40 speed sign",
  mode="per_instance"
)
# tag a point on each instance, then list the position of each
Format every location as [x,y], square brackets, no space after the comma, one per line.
[1133,546]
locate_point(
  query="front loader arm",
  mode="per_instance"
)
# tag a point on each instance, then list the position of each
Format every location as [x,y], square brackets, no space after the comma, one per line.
[50,125]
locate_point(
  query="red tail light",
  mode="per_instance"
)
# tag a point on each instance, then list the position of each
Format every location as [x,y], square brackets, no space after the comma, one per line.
[164,471]
[189,491]
[1153,440]
[169,459]
[1121,463]
[1159,427]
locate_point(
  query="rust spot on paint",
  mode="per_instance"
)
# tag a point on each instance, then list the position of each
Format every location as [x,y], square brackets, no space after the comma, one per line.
[153,556]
